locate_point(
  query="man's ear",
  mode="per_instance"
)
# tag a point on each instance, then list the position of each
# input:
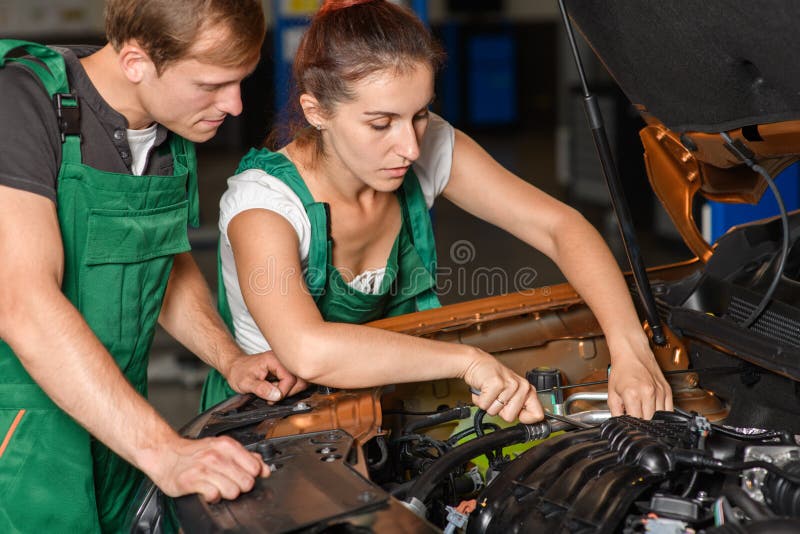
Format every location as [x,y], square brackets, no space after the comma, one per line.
[312,110]
[134,62]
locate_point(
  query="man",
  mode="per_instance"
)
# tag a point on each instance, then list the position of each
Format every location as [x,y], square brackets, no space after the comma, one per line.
[97,184]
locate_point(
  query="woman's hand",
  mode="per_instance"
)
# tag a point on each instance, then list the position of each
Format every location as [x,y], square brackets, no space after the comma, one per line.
[502,391]
[636,385]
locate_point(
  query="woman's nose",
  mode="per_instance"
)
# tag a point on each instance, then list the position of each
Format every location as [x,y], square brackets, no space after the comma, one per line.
[408,147]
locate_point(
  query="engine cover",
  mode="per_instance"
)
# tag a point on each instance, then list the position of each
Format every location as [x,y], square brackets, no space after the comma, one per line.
[583,481]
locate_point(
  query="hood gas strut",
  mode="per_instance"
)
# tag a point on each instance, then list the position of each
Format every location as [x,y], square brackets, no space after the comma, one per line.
[618,201]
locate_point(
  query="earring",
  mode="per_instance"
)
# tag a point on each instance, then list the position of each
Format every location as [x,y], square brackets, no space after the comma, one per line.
[318,127]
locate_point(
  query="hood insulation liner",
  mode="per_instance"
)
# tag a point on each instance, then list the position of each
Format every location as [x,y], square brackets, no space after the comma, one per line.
[699,65]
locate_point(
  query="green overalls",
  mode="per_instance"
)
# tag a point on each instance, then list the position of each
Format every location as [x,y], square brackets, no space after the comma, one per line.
[120,233]
[407,286]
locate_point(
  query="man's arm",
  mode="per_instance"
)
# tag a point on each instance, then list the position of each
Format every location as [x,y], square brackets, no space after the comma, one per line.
[188,314]
[60,352]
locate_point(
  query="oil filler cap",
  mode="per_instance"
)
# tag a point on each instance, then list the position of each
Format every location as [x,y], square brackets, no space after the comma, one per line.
[547,379]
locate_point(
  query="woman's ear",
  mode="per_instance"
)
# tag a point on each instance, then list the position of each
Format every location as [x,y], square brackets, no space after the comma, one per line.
[312,111]
[134,62]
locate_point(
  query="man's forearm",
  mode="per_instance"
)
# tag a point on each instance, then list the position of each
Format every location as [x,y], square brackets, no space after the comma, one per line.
[189,315]
[62,354]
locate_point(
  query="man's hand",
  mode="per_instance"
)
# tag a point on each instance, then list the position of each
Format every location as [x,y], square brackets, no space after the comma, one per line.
[502,391]
[248,374]
[216,468]
[636,385]
[189,315]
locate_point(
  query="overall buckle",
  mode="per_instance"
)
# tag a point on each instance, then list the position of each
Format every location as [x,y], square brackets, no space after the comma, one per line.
[68,114]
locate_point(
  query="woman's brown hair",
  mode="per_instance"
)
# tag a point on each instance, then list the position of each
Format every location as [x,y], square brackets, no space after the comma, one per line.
[347,41]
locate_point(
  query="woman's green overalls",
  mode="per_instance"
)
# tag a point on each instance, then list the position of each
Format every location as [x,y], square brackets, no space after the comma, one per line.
[120,233]
[407,286]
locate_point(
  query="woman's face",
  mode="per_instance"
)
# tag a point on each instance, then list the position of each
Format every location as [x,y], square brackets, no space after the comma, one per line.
[375,137]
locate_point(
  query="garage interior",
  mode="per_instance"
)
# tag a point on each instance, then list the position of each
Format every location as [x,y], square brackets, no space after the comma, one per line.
[509,82]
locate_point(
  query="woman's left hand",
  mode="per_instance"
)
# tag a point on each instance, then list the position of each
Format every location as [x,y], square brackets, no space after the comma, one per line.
[636,385]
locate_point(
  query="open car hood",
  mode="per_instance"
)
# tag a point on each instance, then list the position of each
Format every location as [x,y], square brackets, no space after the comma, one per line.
[694,69]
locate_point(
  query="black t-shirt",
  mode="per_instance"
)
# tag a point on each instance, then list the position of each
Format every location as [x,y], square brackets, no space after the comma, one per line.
[30,141]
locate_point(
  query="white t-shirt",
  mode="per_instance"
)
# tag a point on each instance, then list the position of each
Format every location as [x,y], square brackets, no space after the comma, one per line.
[141,141]
[255,189]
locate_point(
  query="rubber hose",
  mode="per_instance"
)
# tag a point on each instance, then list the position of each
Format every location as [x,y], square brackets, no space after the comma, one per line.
[754,510]
[463,453]
[459,412]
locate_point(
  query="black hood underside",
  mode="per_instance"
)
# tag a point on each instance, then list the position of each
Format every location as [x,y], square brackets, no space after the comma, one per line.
[699,65]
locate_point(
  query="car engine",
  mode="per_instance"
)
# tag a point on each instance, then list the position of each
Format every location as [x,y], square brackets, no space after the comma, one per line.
[676,473]
[420,458]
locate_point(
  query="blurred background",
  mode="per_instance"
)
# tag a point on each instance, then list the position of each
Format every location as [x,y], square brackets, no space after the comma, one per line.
[509,82]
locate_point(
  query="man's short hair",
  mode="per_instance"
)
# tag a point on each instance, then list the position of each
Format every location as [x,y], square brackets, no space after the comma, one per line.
[169,29]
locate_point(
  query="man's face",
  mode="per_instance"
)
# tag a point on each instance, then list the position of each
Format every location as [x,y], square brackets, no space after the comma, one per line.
[192,97]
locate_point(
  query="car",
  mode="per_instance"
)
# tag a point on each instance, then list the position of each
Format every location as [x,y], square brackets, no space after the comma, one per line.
[718,85]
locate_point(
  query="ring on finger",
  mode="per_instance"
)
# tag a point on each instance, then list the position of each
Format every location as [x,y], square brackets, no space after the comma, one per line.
[500,402]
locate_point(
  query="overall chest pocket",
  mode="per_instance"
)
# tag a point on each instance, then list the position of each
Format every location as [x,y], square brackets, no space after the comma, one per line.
[127,261]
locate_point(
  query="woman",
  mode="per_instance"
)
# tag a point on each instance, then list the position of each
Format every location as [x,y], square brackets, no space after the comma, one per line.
[353,188]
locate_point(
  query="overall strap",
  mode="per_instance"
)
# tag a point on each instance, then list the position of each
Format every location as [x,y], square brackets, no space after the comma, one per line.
[418,221]
[183,152]
[52,72]
[279,166]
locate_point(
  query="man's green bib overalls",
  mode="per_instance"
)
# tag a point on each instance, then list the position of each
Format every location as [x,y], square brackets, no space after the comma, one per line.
[120,233]
[407,286]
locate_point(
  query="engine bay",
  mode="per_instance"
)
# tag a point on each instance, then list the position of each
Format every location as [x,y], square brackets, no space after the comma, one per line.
[420,458]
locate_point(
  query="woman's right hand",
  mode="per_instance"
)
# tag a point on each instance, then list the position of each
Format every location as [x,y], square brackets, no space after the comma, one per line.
[502,391]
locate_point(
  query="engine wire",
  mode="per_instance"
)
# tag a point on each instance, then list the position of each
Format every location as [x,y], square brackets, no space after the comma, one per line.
[731,145]
[760,436]
[455,438]
[478,425]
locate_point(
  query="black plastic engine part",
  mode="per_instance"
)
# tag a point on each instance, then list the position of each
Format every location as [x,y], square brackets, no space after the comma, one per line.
[674,507]
[743,265]
[707,308]
[583,481]
[251,411]
[296,496]
[546,379]
[757,397]
[781,495]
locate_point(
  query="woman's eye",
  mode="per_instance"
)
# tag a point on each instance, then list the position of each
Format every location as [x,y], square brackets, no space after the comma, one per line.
[380,125]
[422,116]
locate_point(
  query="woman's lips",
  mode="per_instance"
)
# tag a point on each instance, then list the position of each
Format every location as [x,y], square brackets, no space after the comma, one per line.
[397,171]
